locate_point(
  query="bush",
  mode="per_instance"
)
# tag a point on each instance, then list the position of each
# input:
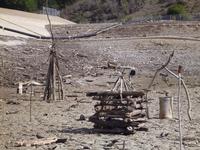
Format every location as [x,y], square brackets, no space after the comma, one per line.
[177,9]
[28,5]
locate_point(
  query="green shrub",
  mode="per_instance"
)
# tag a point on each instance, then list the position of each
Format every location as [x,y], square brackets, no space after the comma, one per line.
[177,9]
[30,5]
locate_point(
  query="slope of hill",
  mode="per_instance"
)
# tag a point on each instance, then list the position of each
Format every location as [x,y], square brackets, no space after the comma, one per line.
[85,11]
[27,22]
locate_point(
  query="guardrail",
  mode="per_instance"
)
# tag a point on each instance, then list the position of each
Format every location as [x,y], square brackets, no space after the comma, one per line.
[51,11]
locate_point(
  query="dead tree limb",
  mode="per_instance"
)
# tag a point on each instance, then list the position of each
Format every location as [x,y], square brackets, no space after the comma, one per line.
[151,83]
[176,76]
[162,67]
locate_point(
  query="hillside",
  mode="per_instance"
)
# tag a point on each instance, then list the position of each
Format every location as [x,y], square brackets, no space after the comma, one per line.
[85,11]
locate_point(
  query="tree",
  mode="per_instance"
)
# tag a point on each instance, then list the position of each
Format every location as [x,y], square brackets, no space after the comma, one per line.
[27,5]
[177,9]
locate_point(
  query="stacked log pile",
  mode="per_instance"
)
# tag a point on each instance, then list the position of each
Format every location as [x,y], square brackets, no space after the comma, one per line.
[116,112]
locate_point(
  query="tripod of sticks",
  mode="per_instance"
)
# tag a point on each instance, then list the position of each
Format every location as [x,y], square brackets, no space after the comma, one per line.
[53,78]
[121,84]
[53,73]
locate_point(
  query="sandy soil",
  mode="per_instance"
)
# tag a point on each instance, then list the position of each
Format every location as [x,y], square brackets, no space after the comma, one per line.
[84,60]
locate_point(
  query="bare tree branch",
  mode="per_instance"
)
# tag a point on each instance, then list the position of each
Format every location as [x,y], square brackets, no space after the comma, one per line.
[158,70]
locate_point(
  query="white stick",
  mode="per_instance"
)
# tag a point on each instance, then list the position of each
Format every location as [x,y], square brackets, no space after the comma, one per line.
[31,102]
[179,111]
[20,88]
[186,91]
[188,99]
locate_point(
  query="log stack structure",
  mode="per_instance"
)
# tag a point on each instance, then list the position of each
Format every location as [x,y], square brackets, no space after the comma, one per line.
[118,111]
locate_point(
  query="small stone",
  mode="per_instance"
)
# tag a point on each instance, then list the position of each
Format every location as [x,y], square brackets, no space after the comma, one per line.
[82,117]
[45,114]
[163,134]
[86,147]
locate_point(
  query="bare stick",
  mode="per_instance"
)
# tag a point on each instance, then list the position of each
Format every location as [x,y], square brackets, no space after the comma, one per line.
[162,67]
[116,84]
[61,82]
[52,37]
[60,79]
[31,102]
[54,79]
[124,144]
[152,81]
[179,107]
[47,83]
[188,99]
[147,106]
[121,87]
[3,109]
[59,93]
[186,91]
[125,85]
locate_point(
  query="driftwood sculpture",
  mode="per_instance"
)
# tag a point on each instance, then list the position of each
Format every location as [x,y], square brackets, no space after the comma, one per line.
[180,82]
[120,110]
[53,74]
[176,76]
[53,78]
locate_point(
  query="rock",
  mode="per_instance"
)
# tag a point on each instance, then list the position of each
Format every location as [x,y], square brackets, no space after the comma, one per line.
[45,114]
[82,117]
[86,147]
[39,136]
[164,134]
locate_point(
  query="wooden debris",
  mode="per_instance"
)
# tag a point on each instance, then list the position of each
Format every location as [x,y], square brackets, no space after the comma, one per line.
[72,95]
[12,102]
[134,94]
[117,114]
[11,112]
[118,110]
[39,142]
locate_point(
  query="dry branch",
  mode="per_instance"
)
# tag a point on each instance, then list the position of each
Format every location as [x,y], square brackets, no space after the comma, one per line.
[39,142]
[162,67]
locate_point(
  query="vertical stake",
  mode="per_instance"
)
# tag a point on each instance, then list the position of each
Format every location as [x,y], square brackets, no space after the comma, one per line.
[31,102]
[179,107]
[54,79]
[147,106]
[124,144]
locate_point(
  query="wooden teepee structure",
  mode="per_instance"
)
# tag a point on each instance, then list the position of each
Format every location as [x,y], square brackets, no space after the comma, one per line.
[54,84]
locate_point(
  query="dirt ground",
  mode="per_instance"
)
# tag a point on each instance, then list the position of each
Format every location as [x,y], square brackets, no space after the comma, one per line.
[85,60]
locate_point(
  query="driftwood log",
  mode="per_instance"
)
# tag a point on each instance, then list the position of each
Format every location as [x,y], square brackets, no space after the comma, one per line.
[133,94]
